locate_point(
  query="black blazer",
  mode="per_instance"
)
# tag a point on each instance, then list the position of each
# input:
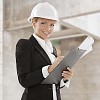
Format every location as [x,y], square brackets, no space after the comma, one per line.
[30,58]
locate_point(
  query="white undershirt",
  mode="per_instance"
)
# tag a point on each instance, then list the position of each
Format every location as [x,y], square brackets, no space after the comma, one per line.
[47,46]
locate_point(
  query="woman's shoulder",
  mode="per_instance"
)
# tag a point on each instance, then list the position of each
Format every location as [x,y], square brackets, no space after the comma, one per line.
[23,43]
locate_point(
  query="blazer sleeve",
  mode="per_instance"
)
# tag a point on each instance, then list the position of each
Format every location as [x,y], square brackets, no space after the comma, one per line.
[23,63]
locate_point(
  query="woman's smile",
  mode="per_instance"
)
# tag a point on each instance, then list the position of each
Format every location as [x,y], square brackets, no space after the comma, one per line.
[46,33]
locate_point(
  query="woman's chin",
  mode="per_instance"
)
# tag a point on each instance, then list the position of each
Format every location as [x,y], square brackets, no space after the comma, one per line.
[47,36]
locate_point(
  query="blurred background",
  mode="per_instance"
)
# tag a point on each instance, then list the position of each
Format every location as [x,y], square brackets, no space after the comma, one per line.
[78,19]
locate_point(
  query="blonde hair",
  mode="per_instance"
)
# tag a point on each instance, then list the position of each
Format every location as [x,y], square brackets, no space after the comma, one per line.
[35,19]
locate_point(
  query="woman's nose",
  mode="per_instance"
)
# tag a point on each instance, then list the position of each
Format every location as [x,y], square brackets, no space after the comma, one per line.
[48,28]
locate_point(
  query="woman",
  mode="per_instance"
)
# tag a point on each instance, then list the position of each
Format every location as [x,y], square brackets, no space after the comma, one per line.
[36,57]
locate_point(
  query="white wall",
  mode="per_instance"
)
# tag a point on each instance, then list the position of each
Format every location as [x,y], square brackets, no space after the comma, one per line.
[1,40]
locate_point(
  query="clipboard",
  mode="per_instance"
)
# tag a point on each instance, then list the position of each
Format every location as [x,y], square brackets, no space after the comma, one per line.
[70,60]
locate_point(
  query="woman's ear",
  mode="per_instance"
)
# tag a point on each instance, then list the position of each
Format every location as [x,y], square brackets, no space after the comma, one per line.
[33,24]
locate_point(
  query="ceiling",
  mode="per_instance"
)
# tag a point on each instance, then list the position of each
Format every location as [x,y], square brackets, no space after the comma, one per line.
[77,17]
[77,26]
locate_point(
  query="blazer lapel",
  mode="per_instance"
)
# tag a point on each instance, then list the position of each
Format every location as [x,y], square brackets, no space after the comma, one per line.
[54,51]
[39,48]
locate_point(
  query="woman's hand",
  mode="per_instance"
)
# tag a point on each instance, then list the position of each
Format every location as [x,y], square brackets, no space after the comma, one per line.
[56,62]
[67,75]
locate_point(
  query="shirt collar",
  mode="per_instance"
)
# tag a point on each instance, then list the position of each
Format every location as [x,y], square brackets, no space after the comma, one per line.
[40,41]
[43,42]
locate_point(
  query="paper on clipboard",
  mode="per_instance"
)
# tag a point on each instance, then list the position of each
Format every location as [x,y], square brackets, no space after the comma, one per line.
[69,60]
[87,45]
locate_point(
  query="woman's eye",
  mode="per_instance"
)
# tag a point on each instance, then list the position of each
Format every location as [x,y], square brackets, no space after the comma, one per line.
[43,23]
[52,25]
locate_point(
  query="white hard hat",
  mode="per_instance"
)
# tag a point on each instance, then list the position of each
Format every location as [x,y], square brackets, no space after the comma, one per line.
[44,10]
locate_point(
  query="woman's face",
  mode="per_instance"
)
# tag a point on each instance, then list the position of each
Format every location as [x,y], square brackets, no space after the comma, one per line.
[43,27]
